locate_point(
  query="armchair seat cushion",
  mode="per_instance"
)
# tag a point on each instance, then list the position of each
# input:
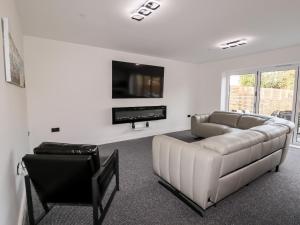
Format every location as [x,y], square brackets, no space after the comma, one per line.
[206,130]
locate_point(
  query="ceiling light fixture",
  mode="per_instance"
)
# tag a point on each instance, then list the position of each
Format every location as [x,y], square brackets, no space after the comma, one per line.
[233,44]
[137,16]
[151,4]
[145,10]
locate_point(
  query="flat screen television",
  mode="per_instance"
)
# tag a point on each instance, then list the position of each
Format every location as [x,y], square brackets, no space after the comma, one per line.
[132,80]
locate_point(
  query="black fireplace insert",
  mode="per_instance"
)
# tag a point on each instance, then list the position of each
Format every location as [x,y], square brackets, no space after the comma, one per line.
[138,114]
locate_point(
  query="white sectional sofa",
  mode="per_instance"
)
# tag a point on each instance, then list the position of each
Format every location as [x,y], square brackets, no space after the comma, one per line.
[237,149]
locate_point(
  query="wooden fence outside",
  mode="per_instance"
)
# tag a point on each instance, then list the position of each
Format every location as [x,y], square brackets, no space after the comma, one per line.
[271,99]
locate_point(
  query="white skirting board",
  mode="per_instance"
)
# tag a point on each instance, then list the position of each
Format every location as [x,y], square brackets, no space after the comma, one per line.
[295,146]
[149,132]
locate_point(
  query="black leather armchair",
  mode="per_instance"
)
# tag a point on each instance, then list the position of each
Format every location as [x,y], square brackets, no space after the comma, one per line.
[69,174]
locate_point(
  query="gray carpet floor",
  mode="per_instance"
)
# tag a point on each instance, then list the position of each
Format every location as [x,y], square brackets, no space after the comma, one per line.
[272,199]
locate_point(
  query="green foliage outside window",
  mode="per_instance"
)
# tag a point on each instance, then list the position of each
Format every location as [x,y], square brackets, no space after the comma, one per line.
[277,80]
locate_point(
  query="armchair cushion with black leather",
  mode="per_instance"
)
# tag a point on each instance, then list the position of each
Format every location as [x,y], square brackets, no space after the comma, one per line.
[70,174]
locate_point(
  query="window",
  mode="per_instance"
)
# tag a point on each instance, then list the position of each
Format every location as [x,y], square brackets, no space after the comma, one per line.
[242,93]
[271,92]
[277,93]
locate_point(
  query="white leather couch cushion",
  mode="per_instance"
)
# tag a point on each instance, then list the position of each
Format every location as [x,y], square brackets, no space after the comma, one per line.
[282,122]
[249,121]
[232,142]
[271,131]
[200,118]
[206,130]
[225,118]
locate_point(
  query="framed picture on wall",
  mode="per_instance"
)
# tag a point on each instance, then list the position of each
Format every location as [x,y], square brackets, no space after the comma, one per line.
[14,64]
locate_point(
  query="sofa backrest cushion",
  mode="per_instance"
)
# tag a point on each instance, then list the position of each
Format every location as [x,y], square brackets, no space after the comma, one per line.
[225,118]
[232,142]
[249,121]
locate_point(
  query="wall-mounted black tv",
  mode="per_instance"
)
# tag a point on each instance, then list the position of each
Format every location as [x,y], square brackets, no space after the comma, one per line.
[132,80]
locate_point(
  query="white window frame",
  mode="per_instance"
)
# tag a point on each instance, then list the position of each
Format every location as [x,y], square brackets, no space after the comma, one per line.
[238,72]
[258,72]
[297,109]
[281,68]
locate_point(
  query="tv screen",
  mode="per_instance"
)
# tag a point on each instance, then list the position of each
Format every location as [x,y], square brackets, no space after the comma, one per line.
[132,80]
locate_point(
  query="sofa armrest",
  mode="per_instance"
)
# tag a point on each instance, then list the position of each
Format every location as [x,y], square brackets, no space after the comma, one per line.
[196,121]
[191,169]
[200,118]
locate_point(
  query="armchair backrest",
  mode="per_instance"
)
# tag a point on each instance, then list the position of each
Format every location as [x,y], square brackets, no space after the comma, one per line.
[60,178]
[62,173]
[53,148]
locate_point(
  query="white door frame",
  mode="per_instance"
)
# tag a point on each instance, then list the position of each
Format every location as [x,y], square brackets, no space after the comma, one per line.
[297,110]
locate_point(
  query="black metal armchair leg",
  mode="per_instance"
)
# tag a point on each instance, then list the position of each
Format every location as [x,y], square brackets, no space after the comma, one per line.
[30,210]
[29,200]
[117,170]
[102,175]
[95,215]
[45,206]
[101,208]
[95,193]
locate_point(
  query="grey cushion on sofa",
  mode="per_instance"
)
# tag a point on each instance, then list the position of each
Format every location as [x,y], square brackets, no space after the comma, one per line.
[206,130]
[217,123]
[232,142]
[274,120]
[248,121]
[225,118]
[238,149]
[271,131]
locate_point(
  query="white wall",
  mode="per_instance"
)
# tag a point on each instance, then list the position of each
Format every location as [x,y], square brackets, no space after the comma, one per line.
[210,74]
[69,86]
[13,128]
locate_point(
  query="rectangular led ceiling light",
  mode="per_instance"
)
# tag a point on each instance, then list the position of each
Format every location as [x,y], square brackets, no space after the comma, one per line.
[233,44]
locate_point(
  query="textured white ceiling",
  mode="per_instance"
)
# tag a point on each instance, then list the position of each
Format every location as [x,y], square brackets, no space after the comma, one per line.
[186,30]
